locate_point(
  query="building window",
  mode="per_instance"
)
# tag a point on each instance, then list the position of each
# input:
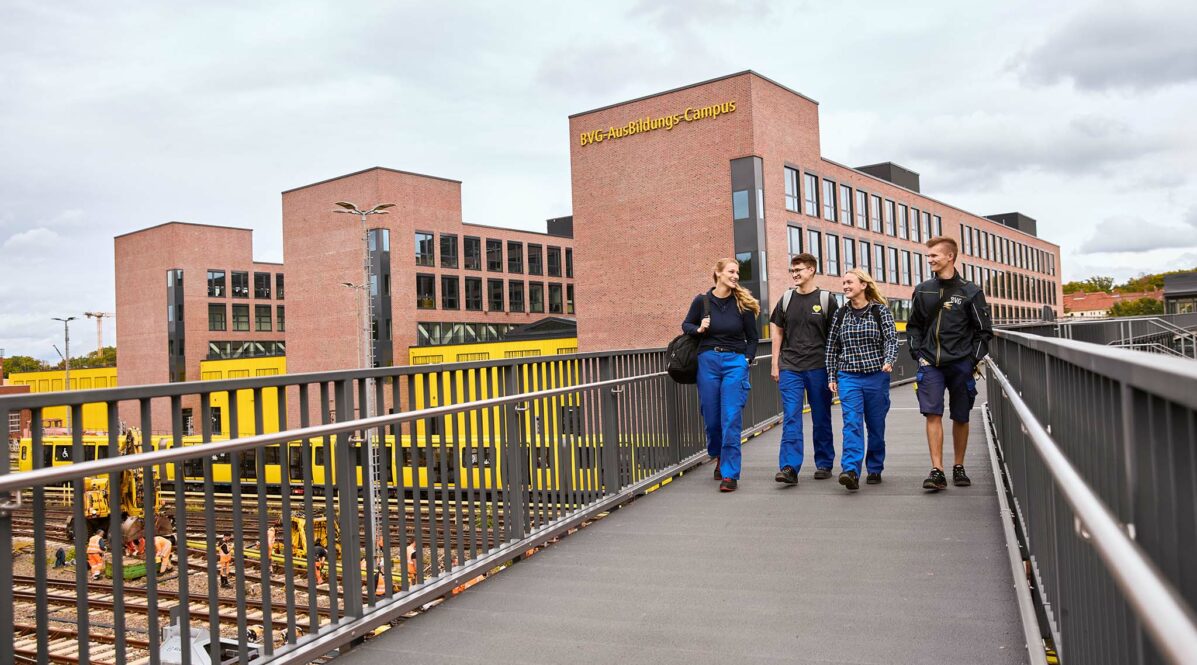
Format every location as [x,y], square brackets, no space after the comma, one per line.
[448,250]
[424,253]
[791,189]
[515,257]
[747,269]
[878,263]
[849,254]
[556,304]
[569,298]
[795,240]
[938,224]
[278,286]
[569,262]
[494,255]
[833,254]
[281,317]
[425,292]
[262,322]
[473,294]
[494,295]
[535,297]
[473,253]
[926,226]
[917,265]
[378,240]
[449,292]
[262,285]
[216,284]
[888,211]
[914,225]
[905,268]
[811,200]
[875,214]
[829,200]
[845,205]
[891,260]
[864,256]
[966,238]
[740,204]
[554,256]
[216,316]
[241,317]
[515,296]
[862,210]
[535,259]
[815,246]
[240,284]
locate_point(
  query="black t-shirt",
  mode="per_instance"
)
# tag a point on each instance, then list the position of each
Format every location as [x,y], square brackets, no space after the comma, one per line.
[804,330]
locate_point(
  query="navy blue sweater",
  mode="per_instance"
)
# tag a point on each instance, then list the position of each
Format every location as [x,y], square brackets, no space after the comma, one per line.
[729,327]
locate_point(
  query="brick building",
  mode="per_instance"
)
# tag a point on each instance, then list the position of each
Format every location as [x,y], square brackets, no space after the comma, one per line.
[1097,304]
[439,280]
[665,185]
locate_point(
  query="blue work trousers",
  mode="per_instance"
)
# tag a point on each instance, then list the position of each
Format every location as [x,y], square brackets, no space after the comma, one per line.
[813,383]
[722,391]
[864,399]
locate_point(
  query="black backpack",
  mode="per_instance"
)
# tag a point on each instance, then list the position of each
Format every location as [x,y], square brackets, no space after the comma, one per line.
[681,356]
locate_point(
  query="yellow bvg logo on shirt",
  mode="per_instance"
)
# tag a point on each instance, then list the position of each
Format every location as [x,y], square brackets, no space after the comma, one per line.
[816,309]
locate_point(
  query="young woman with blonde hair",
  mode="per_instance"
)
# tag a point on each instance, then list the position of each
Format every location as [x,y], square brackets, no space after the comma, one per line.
[861,348]
[727,347]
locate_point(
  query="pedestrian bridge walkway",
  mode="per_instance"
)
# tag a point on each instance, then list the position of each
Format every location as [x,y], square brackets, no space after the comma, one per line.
[810,574]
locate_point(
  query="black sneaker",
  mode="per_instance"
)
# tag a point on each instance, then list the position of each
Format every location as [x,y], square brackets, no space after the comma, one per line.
[728,485]
[787,475]
[935,480]
[718,475]
[959,478]
[873,479]
[850,480]
[822,474]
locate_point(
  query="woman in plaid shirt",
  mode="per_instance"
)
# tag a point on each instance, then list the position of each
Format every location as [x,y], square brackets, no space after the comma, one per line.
[861,348]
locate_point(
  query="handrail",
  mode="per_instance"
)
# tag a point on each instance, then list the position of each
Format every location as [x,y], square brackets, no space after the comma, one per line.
[1167,618]
[55,474]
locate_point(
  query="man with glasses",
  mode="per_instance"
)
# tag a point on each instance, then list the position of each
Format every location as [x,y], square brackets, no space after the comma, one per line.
[798,328]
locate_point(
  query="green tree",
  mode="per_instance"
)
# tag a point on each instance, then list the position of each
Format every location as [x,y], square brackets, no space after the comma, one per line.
[1140,307]
[23,364]
[106,358]
[1099,283]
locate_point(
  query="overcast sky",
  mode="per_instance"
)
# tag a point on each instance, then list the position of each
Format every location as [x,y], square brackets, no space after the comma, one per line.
[119,115]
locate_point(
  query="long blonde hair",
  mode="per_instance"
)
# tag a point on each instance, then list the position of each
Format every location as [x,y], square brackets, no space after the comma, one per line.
[744,299]
[872,293]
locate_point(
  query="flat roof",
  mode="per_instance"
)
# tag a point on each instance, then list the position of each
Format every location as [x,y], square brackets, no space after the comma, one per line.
[695,85]
[158,226]
[508,228]
[372,168]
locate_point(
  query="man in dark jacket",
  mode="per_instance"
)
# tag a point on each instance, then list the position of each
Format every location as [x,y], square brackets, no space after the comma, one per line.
[949,332]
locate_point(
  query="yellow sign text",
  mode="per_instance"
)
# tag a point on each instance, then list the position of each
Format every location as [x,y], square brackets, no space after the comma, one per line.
[649,123]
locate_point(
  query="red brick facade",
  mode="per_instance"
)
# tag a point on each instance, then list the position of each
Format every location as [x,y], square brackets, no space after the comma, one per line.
[653,209]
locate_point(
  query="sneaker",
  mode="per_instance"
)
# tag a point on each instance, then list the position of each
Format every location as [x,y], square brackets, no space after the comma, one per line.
[873,479]
[787,475]
[935,480]
[959,478]
[850,480]
[822,474]
[728,485]
[718,475]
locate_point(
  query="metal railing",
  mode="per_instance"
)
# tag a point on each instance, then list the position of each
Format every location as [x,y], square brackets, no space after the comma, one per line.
[500,458]
[1100,448]
[1171,331]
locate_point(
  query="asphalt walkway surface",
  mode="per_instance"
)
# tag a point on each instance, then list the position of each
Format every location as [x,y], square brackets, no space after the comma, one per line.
[768,574]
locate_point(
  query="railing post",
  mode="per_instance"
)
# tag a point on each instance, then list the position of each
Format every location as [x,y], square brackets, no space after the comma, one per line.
[6,610]
[610,429]
[347,498]
[514,448]
[673,418]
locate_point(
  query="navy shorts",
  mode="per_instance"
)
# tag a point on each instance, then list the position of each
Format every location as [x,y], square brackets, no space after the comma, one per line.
[957,379]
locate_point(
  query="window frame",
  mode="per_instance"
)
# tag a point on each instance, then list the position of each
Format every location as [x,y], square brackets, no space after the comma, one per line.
[450,258]
[428,239]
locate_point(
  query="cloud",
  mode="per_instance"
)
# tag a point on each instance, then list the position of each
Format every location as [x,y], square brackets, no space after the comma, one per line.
[975,150]
[1133,234]
[34,239]
[1117,47]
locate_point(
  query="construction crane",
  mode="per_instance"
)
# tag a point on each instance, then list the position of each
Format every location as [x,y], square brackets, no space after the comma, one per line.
[99,317]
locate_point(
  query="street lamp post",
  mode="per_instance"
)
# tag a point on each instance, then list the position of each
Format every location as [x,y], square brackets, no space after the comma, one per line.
[366,321]
[66,380]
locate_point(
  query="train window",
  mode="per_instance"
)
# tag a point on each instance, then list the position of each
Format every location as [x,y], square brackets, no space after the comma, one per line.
[319,453]
[387,458]
[47,456]
[421,456]
[193,468]
[89,453]
[479,457]
[272,455]
[249,465]
[103,452]
[544,457]
[450,473]
[222,458]
[296,461]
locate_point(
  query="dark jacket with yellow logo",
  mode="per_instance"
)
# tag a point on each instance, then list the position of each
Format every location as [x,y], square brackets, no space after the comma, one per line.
[960,329]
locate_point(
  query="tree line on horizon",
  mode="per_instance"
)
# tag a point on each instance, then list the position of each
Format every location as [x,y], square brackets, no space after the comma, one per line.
[18,364]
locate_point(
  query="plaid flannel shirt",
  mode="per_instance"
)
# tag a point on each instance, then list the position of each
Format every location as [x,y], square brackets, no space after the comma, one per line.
[852,343]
